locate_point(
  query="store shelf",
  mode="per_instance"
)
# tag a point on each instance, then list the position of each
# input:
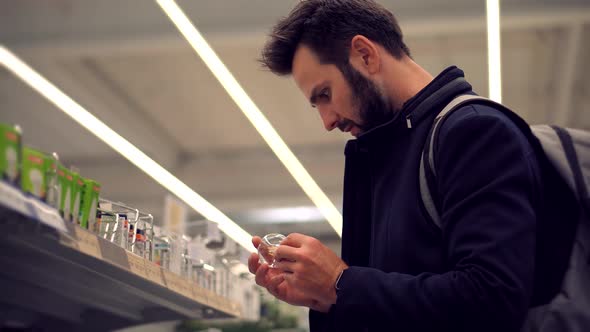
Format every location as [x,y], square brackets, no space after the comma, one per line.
[58,276]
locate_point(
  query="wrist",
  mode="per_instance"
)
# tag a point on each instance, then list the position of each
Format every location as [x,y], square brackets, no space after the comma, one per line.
[336,283]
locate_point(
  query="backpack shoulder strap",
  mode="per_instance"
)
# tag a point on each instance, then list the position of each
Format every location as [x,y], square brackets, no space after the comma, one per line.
[427,167]
[568,150]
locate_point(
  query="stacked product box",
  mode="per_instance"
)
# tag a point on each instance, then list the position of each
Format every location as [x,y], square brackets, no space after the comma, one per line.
[76,197]
[66,182]
[42,176]
[10,153]
[88,205]
[33,178]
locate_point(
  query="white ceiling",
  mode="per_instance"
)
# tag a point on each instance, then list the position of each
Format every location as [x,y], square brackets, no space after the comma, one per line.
[125,62]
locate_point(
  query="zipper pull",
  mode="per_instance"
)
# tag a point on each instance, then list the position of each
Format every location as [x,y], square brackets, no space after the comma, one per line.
[409,122]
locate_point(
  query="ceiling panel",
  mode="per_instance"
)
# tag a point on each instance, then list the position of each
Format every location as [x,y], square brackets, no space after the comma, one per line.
[179,93]
[44,126]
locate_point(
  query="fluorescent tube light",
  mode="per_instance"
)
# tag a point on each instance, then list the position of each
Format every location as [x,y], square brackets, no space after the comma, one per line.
[124,147]
[494,50]
[245,103]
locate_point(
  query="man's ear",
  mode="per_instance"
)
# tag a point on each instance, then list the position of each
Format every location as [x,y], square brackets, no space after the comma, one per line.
[364,55]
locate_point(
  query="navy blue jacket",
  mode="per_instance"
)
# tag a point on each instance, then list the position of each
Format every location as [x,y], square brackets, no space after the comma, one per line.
[405,274]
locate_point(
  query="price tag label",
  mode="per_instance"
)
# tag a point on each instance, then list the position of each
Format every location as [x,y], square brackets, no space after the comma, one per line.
[174,282]
[227,306]
[154,273]
[199,294]
[87,243]
[136,264]
[221,304]
[235,309]
[211,301]
[185,288]
[214,301]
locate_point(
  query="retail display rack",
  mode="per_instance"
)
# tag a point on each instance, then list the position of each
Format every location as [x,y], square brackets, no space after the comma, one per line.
[60,276]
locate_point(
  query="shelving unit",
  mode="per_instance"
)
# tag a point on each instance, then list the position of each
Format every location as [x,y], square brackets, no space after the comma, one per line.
[58,276]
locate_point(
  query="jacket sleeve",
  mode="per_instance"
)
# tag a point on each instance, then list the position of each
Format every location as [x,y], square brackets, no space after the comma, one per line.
[487,181]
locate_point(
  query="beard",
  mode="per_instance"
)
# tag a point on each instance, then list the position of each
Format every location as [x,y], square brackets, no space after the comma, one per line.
[374,108]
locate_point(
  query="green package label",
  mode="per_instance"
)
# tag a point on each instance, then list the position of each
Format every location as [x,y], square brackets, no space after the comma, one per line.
[33,178]
[89,204]
[10,150]
[76,197]
[65,180]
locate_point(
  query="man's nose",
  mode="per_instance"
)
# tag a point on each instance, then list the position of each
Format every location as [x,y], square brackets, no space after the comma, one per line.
[330,119]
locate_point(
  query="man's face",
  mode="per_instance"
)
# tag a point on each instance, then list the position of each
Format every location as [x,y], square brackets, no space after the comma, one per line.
[345,99]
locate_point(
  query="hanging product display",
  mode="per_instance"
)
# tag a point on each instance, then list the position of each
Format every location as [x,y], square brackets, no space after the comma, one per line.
[88,205]
[76,197]
[67,196]
[33,179]
[52,196]
[10,148]
[65,180]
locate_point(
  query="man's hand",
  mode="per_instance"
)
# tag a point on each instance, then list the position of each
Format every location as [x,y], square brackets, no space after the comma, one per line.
[275,281]
[310,267]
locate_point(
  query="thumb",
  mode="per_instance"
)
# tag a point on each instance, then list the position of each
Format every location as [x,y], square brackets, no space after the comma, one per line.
[256,240]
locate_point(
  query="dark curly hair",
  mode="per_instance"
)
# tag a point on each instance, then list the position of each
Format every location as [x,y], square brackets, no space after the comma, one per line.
[327,27]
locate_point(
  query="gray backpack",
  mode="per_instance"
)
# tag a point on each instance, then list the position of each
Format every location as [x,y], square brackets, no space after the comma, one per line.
[568,151]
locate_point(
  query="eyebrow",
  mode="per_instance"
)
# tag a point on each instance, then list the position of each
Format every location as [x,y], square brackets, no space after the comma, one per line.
[316,91]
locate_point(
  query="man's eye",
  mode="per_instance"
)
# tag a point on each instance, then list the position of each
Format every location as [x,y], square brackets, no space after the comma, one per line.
[325,94]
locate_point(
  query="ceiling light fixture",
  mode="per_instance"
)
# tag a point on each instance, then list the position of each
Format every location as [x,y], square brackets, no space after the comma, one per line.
[494,50]
[245,103]
[123,146]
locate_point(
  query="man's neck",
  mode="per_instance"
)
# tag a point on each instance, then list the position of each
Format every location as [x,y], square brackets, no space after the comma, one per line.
[405,79]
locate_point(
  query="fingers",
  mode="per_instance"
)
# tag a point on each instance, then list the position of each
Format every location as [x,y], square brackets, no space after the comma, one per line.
[253,263]
[286,266]
[294,240]
[273,285]
[285,252]
[261,275]
[256,241]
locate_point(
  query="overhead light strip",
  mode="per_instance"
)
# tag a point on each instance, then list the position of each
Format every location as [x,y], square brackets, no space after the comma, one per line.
[494,50]
[122,146]
[262,125]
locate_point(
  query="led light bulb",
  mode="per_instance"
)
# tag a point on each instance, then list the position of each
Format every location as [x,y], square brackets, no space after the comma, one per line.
[76,211]
[37,181]
[67,203]
[92,224]
[11,159]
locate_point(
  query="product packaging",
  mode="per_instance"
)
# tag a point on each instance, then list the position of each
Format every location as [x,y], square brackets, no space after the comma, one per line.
[88,205]
[76,197]
[52,195]
[65,181]
[33,179]
[10,153]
